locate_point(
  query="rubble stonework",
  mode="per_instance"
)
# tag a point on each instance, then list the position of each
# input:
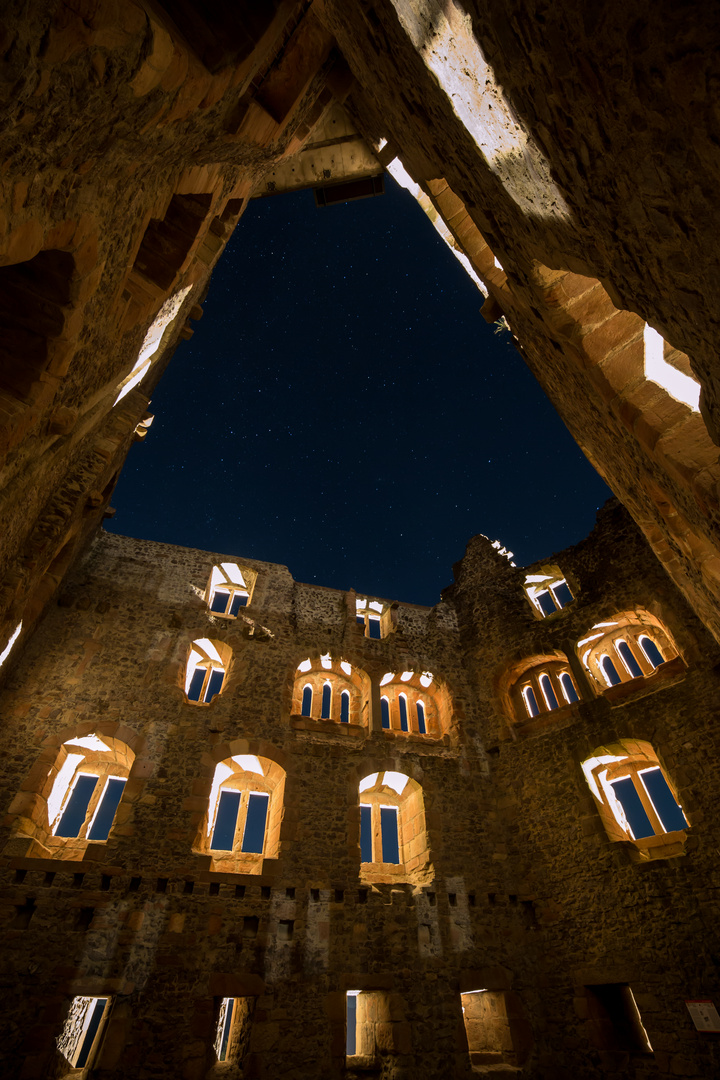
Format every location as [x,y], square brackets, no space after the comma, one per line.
[568,155]
[520,891]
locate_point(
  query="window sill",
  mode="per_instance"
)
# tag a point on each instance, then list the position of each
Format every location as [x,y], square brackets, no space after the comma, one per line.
[671,671]
[363,1062]
[327,727]
[547,721]
[667,846]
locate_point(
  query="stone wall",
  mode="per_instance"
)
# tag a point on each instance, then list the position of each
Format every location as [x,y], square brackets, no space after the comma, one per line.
[524,894]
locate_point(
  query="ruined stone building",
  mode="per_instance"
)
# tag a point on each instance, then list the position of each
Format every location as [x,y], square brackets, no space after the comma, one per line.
[255,828]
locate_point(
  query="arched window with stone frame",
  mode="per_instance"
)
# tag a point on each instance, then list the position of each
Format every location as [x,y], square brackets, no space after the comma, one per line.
[330,691]
[206,670]
[230,588]
[241,826]
[538,690]
[636,799]
[76,796]
[629,651]
[393,842]
[414,703]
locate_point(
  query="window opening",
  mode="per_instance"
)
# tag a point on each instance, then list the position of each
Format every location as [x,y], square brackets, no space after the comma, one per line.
[224,1028]
[568,688]
[389,831]
[669,813]
[615,1019]
[609,671]
[384,712]
[421,718]
[73,817]
[402,702]
[229,589]
[105,814]
[373,616]
[326,702]
[13,638]
[678,385]
[548,693]
[345,707]
[627,795]
[254,835]
[79,1038]
[652,653]
[351,1023]
[631,665]
[223,838]
[530,701]
[374,627]
[366,839]
[548,591]
[307,701]
[205,673]
[151,343]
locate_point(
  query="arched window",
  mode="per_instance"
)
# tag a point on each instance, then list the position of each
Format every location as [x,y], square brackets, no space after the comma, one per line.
[568,688]
[547,691]
[609,670]
[547,590]
[626,655]
[374,616]
[652,653]
[244,813]
[635,798]
[544,685]
[414,703]
[393,839]
[330,689]
[530,701]
[205,670]
[229,589]
[80,799]
[641,645]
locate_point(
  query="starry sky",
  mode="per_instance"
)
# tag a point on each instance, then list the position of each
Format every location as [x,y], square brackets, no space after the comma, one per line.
[344,409]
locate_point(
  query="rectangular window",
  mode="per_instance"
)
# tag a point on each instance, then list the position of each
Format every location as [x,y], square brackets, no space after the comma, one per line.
[226,821]
[196,684]
[80,1035]
[215,682]
[224,1028]
[105,814]
[220,601]
[545,602]
[351,1028]
[402,701]
[239,600]
[366,846]
[389,833]
[670,814]
[254,835]
[631,803]
[374,627]
[562,593]
[75,811]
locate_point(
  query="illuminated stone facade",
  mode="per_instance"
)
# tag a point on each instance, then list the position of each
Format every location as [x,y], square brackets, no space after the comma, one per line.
[568,154]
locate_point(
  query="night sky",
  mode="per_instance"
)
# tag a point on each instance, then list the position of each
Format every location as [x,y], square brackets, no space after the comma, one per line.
[344,409]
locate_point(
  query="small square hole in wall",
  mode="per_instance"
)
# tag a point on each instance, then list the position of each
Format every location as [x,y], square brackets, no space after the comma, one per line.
[105,882]
[83,918]
[471,899]
[188,887]
[214,889]
[250,926]
[290,893]
[265,892]
[339,896]
[315,896]
[286,929]
[452,899]
[239,892]
[362,896]
[23,914]
[78,881]
[135,883]
[20,876]
[162,884]
[432,899]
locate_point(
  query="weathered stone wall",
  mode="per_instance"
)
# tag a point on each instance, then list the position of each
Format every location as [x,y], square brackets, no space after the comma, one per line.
[526,895]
